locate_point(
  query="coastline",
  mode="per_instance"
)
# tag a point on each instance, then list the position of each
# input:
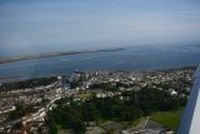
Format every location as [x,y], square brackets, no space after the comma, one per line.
[11,79]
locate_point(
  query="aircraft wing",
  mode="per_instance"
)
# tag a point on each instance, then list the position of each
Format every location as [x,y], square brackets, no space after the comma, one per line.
[190,123]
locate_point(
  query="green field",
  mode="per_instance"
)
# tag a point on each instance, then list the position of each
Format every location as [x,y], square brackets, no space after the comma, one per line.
[85,95]
[170,119]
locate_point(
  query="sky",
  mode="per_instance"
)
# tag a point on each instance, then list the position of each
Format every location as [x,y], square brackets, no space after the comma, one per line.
[28,26]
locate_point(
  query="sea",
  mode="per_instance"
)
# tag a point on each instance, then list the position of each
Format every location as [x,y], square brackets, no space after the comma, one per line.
[135,58]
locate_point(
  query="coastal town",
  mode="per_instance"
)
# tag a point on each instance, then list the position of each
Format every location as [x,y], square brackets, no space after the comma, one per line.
[26,110]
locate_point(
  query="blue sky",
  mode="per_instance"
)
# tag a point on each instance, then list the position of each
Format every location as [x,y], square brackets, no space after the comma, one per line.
[37,25]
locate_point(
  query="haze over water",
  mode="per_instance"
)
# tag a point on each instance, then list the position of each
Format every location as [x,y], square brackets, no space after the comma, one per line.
[36,26]
[42,26]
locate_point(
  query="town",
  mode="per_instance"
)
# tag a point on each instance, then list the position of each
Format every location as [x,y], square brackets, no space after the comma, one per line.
[25,107]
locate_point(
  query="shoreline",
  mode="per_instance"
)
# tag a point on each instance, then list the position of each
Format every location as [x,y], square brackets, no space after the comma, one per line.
[10,79]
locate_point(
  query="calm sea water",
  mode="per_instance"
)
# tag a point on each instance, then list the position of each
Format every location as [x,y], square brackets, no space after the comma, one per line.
[131,58]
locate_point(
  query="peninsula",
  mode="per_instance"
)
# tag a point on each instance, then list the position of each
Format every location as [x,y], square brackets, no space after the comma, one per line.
[4,60]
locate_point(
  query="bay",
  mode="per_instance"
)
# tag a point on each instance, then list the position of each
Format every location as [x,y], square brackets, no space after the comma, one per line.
[129,59]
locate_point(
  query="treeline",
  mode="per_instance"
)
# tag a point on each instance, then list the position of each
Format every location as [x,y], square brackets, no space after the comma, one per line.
[104,86]
[109,86]
[28,83]
[132,106]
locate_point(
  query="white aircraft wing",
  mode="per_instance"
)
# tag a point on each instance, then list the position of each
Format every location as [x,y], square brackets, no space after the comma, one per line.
[190,123]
